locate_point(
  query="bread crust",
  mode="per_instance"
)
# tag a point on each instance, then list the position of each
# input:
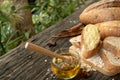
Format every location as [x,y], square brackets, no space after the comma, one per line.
[114,68]
[103,4]
[100,15]
[76,41]
[111,48]
[109,28]
[101,11]
[89,53]
[107,69]
[102,70]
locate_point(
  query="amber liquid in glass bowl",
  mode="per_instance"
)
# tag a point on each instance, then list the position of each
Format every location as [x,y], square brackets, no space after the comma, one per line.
[63,69]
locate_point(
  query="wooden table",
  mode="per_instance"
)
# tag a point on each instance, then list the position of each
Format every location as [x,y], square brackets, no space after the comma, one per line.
[22,64]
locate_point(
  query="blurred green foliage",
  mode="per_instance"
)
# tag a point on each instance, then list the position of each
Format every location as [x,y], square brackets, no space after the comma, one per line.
[44,14]
[51,11]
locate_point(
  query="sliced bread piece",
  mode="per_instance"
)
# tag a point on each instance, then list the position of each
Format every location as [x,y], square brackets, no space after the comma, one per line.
[76,41]
[93,63]
[90,39]
[97,63]
[74,50]
[112,44]
[112,62]
[77,51]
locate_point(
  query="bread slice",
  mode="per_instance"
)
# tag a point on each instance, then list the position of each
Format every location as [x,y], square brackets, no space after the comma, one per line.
[76,41]
[97,63]
[112,62]
[93,63]
[109,28]
[112,44]
[90,39]
[74,50]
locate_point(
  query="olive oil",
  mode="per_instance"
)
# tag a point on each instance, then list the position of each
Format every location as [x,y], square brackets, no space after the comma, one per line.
[65,70]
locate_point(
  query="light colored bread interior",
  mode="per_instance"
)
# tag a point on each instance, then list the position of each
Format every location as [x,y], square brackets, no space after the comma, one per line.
[112,58]
[90,39]
[104,56]
[90,36]
[93,63]
[112,62]
[75,50]
[96,60]
[97,63]
[76,41]
[112,44]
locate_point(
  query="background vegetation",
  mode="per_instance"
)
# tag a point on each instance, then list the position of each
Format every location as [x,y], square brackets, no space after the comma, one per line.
[44,14]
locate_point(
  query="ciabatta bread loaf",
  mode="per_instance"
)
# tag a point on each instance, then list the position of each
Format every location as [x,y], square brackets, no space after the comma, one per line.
[112,44]
[111,61]
[90,40]
[103,4]
[109,28]
[101,11]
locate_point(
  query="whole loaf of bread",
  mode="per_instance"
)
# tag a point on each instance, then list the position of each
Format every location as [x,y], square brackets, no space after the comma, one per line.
[109,28]
[105,10]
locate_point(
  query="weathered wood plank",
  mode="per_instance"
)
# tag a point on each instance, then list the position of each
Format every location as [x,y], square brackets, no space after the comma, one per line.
[22,64]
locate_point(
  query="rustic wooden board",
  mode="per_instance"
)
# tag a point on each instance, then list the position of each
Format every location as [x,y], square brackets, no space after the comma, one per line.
[22,64]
